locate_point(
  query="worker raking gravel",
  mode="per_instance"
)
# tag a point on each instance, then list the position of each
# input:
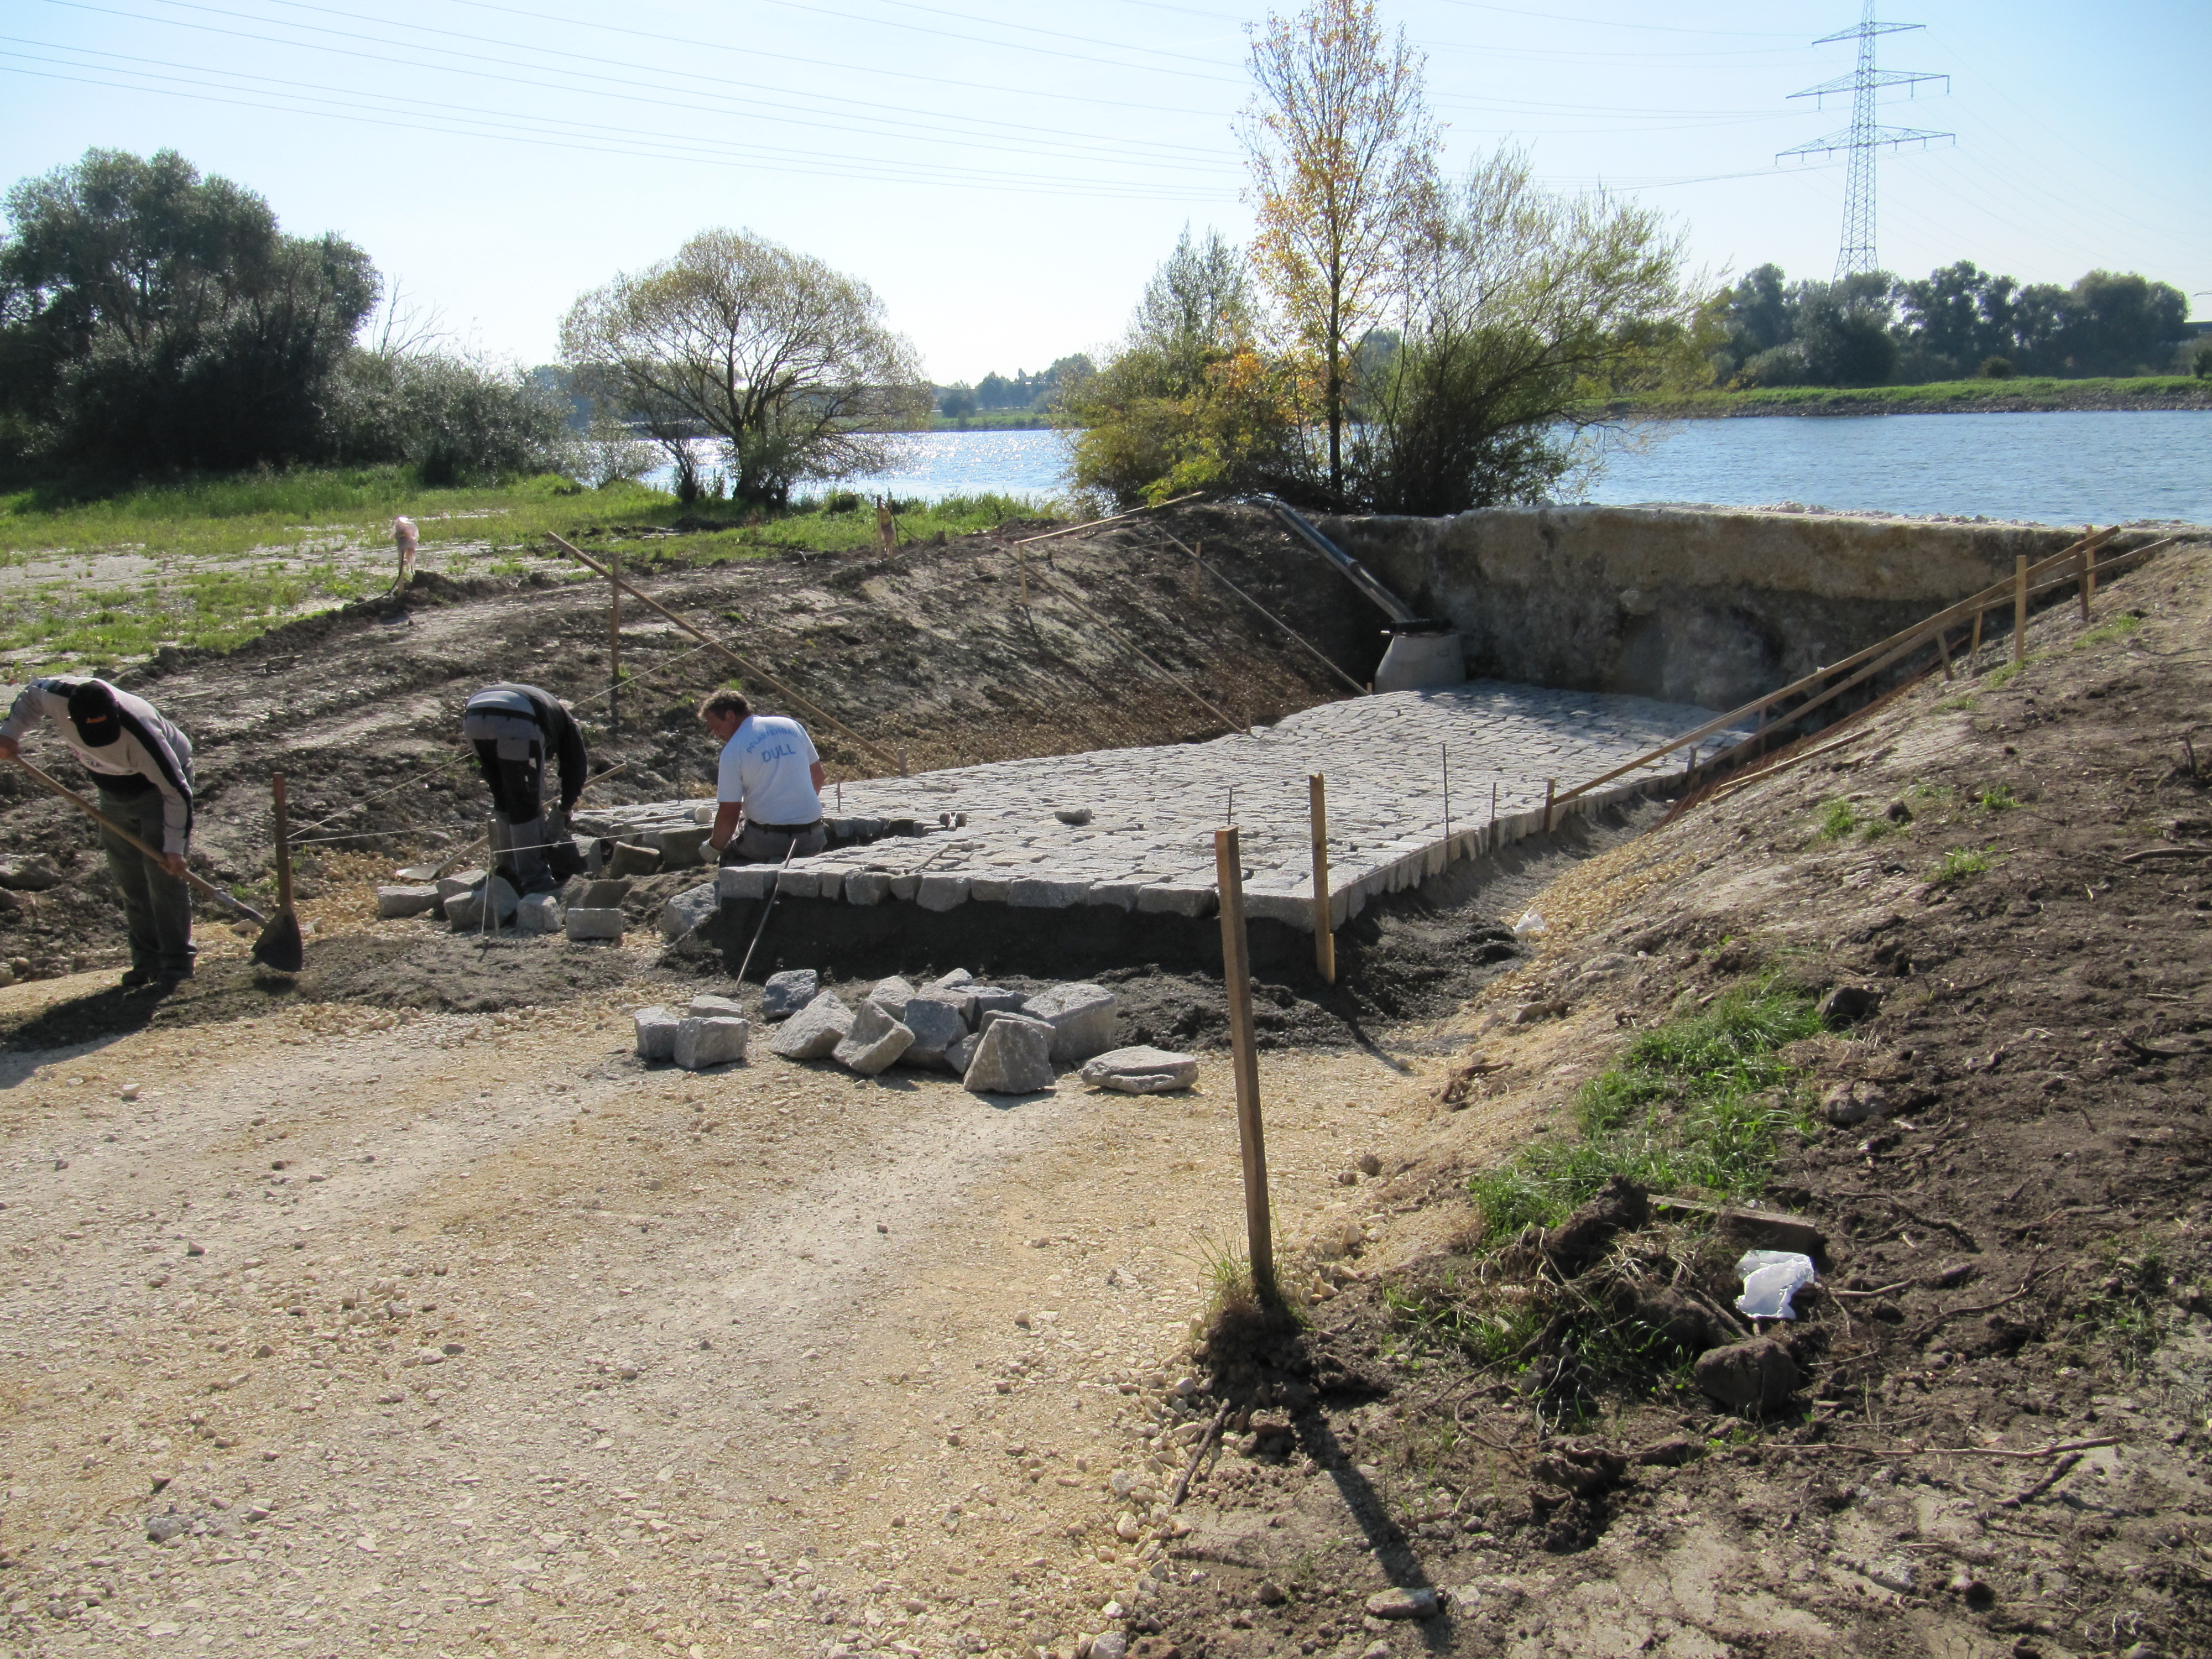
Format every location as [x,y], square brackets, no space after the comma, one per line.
[144,766]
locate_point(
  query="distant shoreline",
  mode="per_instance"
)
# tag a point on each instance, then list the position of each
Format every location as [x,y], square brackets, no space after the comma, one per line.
[2015,397]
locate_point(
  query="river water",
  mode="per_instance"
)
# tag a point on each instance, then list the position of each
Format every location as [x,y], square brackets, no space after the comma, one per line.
[2072,468]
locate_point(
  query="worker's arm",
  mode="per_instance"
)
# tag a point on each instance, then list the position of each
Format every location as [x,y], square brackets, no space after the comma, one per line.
[30,704]
[726,815]
[819,774]
[576,765]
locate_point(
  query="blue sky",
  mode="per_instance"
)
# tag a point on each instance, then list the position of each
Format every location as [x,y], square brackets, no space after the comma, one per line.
[1006,176]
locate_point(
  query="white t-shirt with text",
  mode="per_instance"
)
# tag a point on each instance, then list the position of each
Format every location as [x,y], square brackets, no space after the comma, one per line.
[768,765]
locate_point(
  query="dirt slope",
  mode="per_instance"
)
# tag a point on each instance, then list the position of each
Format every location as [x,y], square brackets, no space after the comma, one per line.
[930,653]
[2015,1231]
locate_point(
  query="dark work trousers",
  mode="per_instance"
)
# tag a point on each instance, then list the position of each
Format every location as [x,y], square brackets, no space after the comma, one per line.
[157,908]
[756,843]
[519,829]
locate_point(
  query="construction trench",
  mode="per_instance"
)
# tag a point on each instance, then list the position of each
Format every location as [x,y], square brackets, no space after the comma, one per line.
[401,1307]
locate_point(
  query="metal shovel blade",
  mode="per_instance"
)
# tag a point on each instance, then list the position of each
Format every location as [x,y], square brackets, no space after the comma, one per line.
[279,946]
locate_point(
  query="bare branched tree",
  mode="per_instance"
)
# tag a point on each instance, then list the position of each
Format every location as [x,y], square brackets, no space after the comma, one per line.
[1343,164]
[788,363]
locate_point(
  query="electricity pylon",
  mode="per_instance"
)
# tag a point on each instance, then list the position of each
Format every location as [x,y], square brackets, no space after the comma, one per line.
[1864,136]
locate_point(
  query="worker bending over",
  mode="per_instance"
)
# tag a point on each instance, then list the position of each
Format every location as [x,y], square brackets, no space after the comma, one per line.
[144,766]
[514,729]
[770,778]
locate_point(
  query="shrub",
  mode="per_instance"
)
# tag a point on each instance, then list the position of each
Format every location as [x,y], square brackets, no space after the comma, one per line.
[1997,369]
[454,419]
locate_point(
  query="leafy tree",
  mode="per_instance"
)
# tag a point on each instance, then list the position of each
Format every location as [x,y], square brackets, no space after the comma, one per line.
[957,400]
[151,317]
[1188,400]
[2115,323]
[1843,330]
[1343,156]
[1955,317]
[1516,307]
[787,362]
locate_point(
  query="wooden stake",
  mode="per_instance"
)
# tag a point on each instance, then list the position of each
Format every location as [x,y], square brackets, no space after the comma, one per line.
[1944,650]
[2019,608]
[1974,645]
[2088,580]
[1237,979]
[1444,751]
[1324,934]
[1550,787]
[713,644]
[614,646]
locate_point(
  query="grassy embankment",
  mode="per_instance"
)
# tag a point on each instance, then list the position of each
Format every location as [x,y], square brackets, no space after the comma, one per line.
[992,419]
[213,564]
[2019,396]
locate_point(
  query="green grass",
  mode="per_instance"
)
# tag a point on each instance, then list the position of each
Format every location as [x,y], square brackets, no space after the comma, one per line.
[1838,819]
[212,562]
[1695,1105]
[1960,863]
[2105,632]
[2020,393]
[1457,1312]
[1996,799]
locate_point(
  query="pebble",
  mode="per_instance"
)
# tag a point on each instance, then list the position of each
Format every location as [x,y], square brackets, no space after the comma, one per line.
[1416,1603]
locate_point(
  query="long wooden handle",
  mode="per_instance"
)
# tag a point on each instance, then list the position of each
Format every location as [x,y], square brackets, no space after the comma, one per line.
[105,822]
[283,848]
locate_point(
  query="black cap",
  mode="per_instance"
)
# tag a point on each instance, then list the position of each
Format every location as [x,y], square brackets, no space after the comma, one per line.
[91,711]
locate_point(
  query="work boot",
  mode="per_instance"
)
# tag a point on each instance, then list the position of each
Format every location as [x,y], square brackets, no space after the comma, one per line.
[169,979]
[137,977]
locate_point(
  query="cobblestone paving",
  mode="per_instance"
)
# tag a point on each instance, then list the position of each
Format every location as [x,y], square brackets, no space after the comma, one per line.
[1147,843]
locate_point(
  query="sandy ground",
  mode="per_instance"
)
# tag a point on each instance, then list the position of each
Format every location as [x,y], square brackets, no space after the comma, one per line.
[423,1331]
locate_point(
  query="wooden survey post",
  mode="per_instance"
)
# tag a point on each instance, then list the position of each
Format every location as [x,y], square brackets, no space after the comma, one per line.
[1324,934]
[1236,980]
[2088,579]
[614,645]
[2019,608]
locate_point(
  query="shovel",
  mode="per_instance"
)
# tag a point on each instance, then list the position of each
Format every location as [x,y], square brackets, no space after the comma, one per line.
[279,946]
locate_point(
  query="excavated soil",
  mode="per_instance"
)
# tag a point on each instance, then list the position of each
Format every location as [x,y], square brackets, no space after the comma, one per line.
[2015,1253]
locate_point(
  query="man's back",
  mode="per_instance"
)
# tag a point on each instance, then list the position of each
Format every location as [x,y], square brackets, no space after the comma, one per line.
[768,765]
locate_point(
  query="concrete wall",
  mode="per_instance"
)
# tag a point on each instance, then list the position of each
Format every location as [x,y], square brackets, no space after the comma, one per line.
[1699,606]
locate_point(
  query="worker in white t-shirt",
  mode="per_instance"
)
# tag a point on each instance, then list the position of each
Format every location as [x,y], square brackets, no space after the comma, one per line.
[769,781]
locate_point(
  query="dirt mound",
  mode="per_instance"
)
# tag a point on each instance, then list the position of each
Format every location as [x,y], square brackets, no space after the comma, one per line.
[1984,1427]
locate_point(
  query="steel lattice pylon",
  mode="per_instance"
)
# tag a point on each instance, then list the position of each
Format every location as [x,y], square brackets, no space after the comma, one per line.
[1864,136]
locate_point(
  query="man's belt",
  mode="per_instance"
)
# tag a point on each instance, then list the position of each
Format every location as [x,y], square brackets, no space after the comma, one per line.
[782,829]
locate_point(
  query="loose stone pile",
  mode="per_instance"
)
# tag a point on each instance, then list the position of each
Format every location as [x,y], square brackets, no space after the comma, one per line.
[998,1041]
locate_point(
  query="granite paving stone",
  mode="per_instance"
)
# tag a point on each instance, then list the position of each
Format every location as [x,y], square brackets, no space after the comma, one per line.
[1147,843]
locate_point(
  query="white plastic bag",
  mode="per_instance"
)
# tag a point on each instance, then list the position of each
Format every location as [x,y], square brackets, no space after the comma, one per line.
[1771,1277]
[1530,922]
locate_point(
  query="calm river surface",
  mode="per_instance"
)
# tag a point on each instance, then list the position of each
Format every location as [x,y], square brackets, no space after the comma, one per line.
[2104,466]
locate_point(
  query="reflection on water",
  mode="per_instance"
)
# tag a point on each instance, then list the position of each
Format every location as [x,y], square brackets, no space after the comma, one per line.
[2052,469]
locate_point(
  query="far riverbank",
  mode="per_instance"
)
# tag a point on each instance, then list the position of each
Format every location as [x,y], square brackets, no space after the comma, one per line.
[2026,395]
